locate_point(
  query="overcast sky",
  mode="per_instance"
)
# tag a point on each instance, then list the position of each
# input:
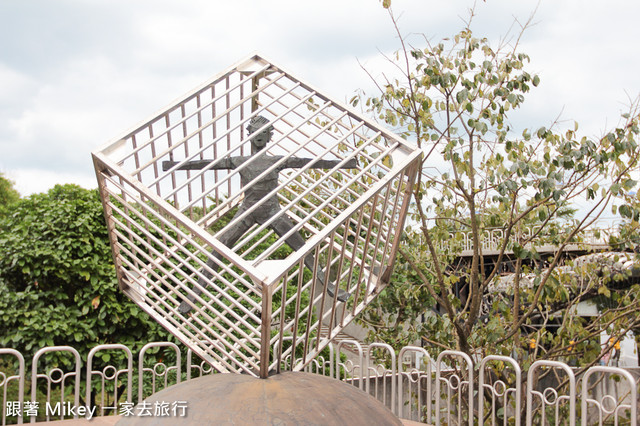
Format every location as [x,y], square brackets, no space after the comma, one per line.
[74,74]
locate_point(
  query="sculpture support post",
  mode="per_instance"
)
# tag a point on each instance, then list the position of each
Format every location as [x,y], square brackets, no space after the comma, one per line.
[265,331]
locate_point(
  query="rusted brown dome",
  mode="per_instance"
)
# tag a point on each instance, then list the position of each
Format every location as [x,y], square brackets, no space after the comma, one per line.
[283,399]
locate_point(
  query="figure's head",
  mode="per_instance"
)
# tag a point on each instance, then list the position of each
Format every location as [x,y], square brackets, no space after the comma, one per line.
[260,139]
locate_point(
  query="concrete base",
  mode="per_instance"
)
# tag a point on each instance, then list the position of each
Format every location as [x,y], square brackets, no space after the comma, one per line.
[284,399]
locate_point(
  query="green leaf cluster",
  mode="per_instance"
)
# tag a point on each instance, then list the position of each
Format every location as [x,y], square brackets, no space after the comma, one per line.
[8,193]
[518,190]
[57,278]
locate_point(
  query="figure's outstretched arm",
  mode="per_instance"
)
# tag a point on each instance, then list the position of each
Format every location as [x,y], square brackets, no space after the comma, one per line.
[296,163]
[224,163]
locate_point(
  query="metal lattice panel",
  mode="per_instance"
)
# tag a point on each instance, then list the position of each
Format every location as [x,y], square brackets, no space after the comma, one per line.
[315,216]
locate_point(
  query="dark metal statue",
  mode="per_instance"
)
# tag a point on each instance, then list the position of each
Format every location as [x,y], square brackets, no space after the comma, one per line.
[256,193]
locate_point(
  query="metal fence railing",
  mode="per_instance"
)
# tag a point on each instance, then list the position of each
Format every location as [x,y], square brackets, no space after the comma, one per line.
[454,388]
[492,239]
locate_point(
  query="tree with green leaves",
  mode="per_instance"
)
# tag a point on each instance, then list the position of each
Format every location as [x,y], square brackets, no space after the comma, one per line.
[57,279]
[8,193]
[522,189]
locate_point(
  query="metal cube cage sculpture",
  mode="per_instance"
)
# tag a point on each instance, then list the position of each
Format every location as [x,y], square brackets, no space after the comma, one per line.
[262,308]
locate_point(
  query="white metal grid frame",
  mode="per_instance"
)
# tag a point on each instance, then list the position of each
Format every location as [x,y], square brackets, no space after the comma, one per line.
[262,303]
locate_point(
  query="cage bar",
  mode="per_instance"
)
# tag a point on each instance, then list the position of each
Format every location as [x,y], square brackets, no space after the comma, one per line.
[343,185]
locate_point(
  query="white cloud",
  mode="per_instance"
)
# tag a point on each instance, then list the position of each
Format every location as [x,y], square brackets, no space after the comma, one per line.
[31,181]
[75,74]
[13,84]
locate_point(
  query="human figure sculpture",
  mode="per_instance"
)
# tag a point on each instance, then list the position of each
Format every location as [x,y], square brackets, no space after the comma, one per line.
[256,193]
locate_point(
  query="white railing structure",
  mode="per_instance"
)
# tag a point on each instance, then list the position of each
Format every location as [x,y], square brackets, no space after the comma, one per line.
[453,389]
[340,181]
[550,400]
[496,391]
[457,386]
[492,240]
